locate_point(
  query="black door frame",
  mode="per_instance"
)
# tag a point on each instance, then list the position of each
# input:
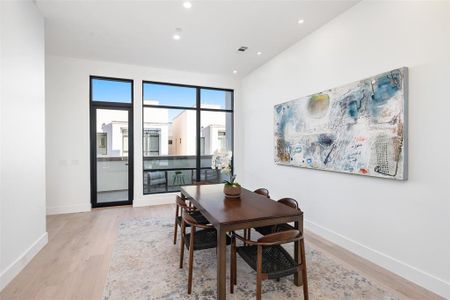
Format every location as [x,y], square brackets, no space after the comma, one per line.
[94,105]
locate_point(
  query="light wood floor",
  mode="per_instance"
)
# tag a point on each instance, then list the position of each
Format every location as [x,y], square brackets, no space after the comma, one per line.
[75,262]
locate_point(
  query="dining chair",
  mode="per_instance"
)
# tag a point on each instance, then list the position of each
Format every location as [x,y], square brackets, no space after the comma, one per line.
[269,259]
[261,191]
[196,240]
[180,206]
[280,227]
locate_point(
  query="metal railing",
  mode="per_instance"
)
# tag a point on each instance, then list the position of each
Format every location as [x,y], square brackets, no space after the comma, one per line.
[168,173]
[170,180]
[165,173]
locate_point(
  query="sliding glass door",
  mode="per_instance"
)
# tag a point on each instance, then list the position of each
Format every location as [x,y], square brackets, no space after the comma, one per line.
[182,128]
[111,142]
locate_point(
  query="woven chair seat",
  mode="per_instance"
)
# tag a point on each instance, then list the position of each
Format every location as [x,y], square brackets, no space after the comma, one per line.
[205,239]
[284,227]
[197,216]
[274,228]
[276,261]
[265,230]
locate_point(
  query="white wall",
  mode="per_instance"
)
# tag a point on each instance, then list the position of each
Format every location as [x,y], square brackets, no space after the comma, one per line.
[22,141]
[67,125]
[403,226]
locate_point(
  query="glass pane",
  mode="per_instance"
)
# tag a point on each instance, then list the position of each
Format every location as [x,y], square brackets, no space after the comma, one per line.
[169,95]
[216,99]
[111,91]
[151,141]
[101,143]
[216,134]
[169,146]
[112,155]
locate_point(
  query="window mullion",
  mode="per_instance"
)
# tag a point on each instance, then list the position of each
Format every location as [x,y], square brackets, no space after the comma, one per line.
[198,177]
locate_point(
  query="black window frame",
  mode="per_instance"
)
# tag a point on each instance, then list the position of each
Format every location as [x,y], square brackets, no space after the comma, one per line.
[198,110]
[93,106]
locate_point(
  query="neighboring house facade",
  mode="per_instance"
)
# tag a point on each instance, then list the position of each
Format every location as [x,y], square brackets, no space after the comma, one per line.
[213,132]
[156,130]
[161,136]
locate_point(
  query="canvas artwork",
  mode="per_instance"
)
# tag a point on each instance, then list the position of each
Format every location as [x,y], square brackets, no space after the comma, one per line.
[358,128]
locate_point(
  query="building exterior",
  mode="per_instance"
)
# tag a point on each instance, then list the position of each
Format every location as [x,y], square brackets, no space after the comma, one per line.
[161,136]
[213,132]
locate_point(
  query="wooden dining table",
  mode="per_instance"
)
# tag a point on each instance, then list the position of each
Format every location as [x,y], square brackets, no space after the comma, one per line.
[250,210]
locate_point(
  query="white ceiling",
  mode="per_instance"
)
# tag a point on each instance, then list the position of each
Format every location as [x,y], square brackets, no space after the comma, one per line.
[140,32]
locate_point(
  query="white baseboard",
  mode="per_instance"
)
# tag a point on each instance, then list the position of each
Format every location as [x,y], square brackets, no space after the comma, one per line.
[68,209]
[411,273]
[156,199]
[7,275]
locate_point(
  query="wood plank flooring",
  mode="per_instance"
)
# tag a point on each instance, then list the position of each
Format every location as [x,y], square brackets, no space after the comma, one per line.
[75,262]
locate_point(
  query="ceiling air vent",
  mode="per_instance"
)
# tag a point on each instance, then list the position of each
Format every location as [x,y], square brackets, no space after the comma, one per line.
[242,48]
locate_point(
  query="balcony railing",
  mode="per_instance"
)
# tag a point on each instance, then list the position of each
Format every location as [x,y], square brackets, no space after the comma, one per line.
[161,173]
[168,173]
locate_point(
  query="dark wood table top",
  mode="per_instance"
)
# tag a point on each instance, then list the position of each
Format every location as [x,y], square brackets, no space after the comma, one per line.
[250,207]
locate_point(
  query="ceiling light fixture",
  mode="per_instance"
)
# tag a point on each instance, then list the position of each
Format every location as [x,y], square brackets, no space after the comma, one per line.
[300,21]
[187,4]
[234,71]
[258,53]
[177,35]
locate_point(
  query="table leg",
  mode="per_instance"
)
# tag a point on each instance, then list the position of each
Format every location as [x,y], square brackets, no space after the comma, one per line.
[297,257]
[221,264]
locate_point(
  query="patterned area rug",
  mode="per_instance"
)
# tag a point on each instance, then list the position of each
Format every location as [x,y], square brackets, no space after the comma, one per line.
[145,266]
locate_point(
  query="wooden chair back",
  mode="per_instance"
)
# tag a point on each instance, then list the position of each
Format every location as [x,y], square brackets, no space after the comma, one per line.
[289,202]
[263,192]
[282,237]
[188,219]
[182,203]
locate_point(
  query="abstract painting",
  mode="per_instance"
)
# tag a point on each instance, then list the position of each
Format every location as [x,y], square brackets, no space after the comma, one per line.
[358,128]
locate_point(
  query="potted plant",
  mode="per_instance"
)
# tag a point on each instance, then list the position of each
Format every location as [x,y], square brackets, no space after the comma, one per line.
[232,189]
[222,161]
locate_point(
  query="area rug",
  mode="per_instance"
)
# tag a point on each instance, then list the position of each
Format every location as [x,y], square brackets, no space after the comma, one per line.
[145,265]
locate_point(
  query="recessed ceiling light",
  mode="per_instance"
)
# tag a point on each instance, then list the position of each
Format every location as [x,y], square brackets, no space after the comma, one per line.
[300,21]
[177,34]
[258,53]
[234,71]
[187,4]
